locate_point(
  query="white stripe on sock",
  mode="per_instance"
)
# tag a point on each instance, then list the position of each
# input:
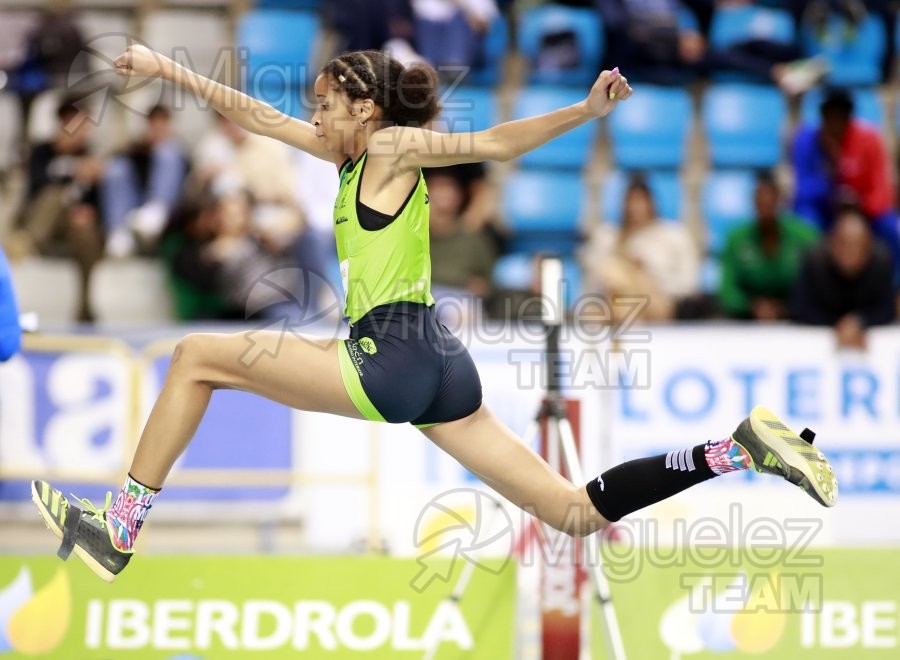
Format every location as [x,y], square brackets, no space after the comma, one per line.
[681,465]
[689,455]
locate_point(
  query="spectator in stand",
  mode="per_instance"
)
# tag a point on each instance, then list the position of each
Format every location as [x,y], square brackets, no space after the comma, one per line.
[192,275]
[450,32]
[50,58]
[645,256]
[659,39]
[816,13]
[10,329]
[762,258]
[479,212]
[61,216]
[365,25]
[141,187]
[215,259]
[461,260]
[846,282]
[840,156]
[228,157]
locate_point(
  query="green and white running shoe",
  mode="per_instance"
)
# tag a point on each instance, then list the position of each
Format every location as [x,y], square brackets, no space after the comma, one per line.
[82,528]
[775,449]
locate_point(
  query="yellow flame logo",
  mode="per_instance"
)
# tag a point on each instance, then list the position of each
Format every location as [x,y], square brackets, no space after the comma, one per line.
[753,626]
[34,623]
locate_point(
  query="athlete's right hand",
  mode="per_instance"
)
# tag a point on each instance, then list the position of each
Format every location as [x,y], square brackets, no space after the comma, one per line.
[141,61]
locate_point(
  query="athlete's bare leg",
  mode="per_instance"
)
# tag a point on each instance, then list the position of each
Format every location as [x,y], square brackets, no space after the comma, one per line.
[302,373]
[489,449]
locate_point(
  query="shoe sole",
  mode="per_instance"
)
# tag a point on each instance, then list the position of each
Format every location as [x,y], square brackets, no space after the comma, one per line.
[775,449]
[89,561]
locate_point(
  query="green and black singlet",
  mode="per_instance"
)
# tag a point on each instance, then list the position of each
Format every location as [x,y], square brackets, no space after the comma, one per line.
[400,363]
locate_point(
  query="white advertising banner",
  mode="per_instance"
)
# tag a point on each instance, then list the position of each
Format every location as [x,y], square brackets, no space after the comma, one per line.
[650,391]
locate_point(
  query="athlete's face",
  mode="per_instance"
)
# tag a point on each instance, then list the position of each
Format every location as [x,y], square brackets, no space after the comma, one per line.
[336,118]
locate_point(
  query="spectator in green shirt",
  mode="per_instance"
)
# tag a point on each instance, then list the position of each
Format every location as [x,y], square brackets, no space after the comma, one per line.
[762,258]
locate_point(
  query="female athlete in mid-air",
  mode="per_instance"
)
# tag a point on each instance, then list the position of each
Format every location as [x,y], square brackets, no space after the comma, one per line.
[400,364]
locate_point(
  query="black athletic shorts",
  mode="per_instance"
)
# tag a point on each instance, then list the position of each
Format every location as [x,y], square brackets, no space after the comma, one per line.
[402,365]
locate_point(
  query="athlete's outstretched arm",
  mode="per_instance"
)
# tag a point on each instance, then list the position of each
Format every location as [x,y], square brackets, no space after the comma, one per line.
[252,114]
[416,147]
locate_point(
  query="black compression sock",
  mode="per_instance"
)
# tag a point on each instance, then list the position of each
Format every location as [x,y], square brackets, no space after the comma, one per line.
[635,484]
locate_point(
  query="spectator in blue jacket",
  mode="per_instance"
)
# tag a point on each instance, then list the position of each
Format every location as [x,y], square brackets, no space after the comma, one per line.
[10,331]
[141,186]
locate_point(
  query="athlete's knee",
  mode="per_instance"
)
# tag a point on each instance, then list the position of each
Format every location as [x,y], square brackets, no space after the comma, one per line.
[192,357]
[187,351]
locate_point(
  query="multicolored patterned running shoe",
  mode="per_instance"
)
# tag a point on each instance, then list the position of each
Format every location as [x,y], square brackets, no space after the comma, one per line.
[775,449]
[82,528]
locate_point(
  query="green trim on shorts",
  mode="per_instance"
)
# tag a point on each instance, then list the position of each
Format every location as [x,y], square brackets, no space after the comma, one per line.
[425,426]
[354,387]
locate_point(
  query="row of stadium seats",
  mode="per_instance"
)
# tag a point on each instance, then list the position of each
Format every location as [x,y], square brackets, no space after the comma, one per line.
[745,125]
[544,208]
[50,288]
[276,35]
[282,36]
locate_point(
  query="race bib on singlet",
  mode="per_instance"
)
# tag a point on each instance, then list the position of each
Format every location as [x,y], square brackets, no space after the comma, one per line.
[345,279]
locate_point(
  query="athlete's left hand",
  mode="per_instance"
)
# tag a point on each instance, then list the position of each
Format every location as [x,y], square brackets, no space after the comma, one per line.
[610,88]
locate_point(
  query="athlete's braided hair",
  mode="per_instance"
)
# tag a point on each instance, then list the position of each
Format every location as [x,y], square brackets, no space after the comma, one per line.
[407,96]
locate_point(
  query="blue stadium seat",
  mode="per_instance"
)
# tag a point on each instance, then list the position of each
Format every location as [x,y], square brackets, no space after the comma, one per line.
[496,43]
[854,61]
[866,106]
[572,149]
[517,271]
[744,124]
[289,4]
[735,24]
[514,271]
[286,99]
[543,210]
[469,109]
[651,130]
[665,186]
[537,24]
[281,46]
[727,199]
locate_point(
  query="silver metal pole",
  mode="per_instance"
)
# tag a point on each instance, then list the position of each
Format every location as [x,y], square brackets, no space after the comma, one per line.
[465,576]
[593,561]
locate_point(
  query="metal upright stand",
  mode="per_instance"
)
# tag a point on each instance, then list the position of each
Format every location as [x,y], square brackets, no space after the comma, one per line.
[560,446]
